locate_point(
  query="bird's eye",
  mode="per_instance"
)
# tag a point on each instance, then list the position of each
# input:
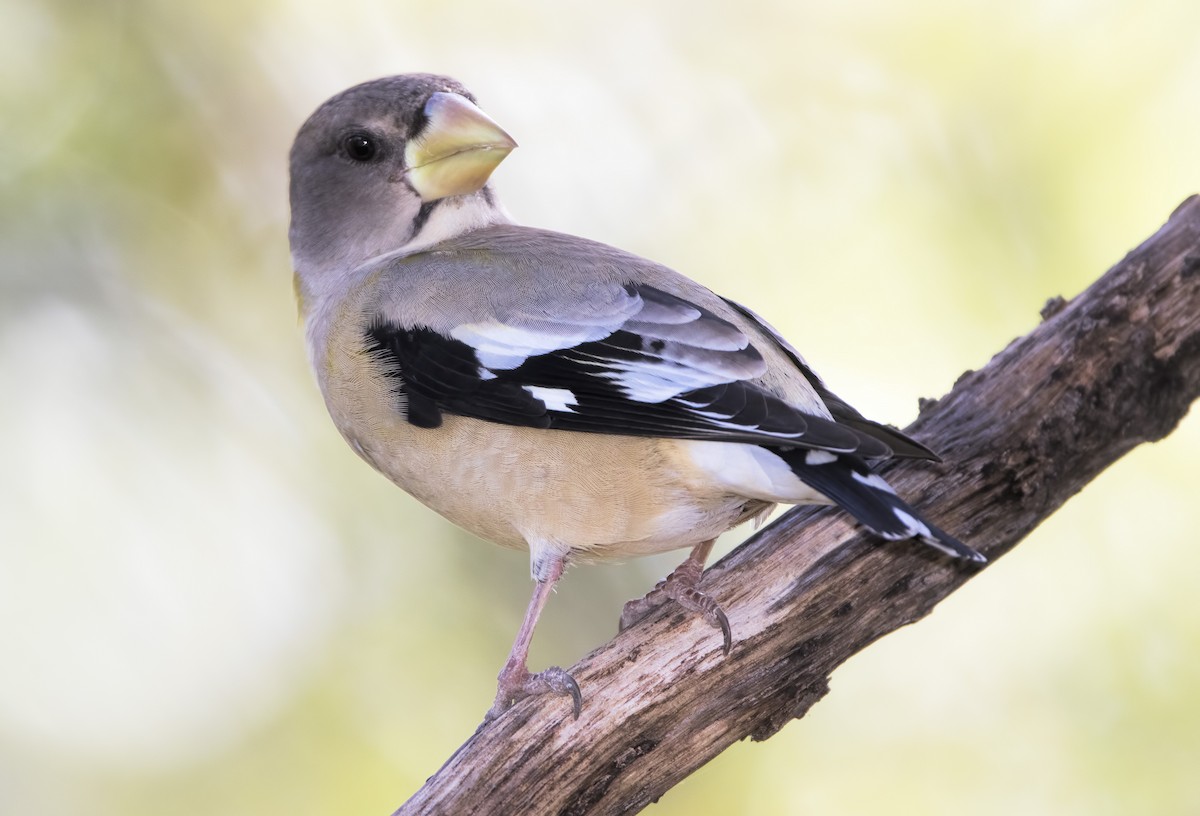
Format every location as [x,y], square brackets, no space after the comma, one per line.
[360,147]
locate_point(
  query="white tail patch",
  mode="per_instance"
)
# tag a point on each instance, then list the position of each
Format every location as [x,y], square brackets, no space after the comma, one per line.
[751,471]
[919,528]
[874,480]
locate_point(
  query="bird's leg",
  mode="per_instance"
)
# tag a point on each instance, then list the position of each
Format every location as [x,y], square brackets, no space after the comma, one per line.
[682,586]
[516,682]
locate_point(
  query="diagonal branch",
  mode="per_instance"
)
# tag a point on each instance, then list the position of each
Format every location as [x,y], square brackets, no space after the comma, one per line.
[1117,366]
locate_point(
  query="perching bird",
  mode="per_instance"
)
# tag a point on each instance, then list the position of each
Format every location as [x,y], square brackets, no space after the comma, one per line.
[543,391]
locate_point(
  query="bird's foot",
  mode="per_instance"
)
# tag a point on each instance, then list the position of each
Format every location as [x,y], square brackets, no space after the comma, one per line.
[681,586]
[516,682]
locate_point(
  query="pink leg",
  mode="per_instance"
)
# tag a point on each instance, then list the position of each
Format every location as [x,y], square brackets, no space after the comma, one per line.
[515,681]
[682,586]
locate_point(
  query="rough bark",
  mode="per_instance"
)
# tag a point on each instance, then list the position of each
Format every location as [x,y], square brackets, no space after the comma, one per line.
[1117,366]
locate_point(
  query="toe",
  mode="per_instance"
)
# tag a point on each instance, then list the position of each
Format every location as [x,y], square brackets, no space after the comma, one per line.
[515,686]
[639,609]
[681,589]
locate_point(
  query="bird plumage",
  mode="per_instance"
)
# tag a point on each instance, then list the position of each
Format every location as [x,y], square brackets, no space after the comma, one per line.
[541,390]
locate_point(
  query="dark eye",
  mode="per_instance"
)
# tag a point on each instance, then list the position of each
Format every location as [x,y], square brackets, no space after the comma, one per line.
[360,147]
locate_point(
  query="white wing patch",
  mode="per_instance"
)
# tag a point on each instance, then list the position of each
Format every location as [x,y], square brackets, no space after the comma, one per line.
[499,345]
[654,381]
[556,399]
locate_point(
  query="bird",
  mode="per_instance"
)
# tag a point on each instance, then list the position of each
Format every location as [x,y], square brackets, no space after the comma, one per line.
[546,392]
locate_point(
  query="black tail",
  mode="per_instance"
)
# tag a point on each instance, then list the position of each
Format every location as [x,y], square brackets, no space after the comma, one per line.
[850,484]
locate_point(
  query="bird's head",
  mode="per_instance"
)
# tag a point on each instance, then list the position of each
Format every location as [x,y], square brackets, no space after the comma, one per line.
[391,165]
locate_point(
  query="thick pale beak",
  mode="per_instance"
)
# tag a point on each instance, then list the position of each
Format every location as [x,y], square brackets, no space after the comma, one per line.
[457,150]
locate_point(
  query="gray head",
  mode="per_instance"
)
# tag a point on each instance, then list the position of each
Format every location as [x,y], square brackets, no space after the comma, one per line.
[392,164]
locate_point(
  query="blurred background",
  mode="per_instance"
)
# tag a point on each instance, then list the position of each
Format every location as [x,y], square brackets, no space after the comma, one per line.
[208,604]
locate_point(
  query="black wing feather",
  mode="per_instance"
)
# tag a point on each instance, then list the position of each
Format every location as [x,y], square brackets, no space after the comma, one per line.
[676,341]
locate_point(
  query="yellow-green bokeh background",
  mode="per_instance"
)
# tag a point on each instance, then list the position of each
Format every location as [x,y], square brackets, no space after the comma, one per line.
[209,605]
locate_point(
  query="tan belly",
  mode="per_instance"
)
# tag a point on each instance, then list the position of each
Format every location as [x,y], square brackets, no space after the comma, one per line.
[600,496]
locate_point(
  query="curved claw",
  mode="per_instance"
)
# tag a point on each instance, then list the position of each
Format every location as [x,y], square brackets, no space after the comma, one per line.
[726,632]
[560,681]
[697,601]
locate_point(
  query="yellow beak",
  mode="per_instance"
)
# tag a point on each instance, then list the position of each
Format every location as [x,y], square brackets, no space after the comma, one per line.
[457,150]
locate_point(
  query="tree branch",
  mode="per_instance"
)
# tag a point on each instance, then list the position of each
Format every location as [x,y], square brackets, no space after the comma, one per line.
[1116,367]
